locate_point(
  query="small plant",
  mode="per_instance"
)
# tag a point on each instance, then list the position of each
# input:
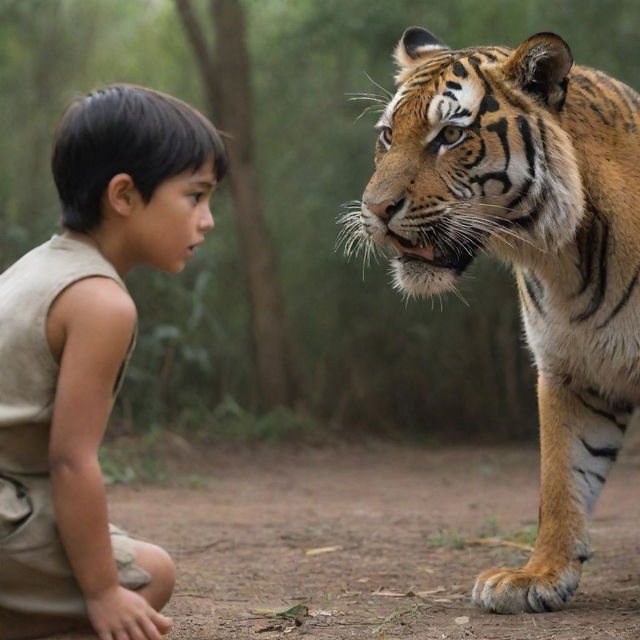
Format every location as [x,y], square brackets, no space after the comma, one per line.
[127,461]
[398,616]
[448,539]
[527,535]
[491,528]
[234,422]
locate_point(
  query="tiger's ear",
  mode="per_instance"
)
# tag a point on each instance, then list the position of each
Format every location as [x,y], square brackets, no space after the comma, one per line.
[415,46]
[540,66]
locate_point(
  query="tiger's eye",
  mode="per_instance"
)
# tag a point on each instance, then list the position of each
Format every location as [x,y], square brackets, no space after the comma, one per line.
[451,134]
[386,134]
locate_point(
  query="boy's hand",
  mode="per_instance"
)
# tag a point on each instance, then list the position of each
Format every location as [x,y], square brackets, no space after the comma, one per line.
[119,614]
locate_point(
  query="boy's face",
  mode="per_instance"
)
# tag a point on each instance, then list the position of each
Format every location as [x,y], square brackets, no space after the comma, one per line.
[168,228]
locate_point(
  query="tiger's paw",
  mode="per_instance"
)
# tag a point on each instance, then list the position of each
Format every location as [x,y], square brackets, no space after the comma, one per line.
[523,591]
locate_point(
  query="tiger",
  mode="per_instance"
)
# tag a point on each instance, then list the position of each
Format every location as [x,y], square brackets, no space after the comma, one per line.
[520,154]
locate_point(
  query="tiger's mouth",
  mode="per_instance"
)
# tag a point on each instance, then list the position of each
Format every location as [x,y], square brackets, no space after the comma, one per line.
[454,259]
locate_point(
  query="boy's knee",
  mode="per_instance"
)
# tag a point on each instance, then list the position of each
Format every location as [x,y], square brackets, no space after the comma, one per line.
[158,563]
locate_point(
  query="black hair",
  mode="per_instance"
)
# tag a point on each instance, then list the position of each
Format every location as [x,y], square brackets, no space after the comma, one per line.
[129,129]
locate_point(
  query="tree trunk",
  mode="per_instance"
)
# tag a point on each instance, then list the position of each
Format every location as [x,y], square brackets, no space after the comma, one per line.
[229,94]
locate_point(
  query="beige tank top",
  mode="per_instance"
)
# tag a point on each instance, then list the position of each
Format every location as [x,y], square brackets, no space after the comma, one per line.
[28,372]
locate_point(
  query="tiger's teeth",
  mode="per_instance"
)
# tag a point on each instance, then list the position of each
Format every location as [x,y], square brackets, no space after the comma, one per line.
[427,251]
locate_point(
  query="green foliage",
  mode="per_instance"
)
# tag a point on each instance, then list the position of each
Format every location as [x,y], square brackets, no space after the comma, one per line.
[137,463]
[368,360]
[447,539]
[282,424]
[525,535]
[404,615]
[491,528]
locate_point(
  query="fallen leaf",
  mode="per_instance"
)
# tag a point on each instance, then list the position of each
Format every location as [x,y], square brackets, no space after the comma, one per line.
[317,551]
[462,620]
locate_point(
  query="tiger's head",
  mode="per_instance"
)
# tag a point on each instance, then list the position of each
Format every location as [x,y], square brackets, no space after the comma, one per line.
[472,156]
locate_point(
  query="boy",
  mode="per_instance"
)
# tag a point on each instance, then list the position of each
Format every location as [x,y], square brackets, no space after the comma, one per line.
[134,169]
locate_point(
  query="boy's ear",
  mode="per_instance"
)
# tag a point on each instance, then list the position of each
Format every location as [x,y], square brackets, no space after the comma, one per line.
[121,194]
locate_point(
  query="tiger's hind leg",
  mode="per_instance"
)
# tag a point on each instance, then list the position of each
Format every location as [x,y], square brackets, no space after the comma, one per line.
[579,442]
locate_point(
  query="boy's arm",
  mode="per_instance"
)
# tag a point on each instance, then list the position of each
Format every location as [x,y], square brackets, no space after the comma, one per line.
[97,319]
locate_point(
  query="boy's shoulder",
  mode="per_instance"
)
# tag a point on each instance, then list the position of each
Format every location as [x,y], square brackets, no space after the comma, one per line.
[89,311]
[52,266]
[101,297]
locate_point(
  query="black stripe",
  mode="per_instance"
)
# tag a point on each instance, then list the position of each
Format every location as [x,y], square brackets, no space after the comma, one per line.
[533,287]
[454,85]
[584,473]
[459,70]
[582,82]
[609,416]
[516,100]
[479,158]
[625,100]
[460,113]
[522,195]
[604,452]
[450,95]
[501,127]
[631,94]
[617,406]
[587,250]
[475,63]
[594,107]
[604,80]
[524,222]
[499,176]
[420,81]
[425,215]
[525,132]
[449,188]
[598,295]
[543,139]
[615,88]
[623,300]
[488,104]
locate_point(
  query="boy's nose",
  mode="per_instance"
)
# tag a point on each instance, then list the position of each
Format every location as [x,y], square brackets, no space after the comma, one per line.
[206,222]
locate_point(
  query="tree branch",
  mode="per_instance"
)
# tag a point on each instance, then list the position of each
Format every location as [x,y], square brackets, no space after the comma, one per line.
[206,63]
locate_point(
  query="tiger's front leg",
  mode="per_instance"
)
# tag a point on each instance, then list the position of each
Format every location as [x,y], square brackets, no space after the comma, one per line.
[579,442]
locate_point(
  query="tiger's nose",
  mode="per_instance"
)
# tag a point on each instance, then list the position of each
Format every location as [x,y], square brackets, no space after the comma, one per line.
[385,209]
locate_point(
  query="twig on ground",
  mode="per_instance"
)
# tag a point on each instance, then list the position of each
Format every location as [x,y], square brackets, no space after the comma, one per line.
[499,542]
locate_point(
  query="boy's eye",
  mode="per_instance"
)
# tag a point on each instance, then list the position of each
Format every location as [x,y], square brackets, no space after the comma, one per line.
[196,196]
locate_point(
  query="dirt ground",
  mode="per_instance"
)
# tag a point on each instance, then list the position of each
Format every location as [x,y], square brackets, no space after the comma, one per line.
[374,541]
